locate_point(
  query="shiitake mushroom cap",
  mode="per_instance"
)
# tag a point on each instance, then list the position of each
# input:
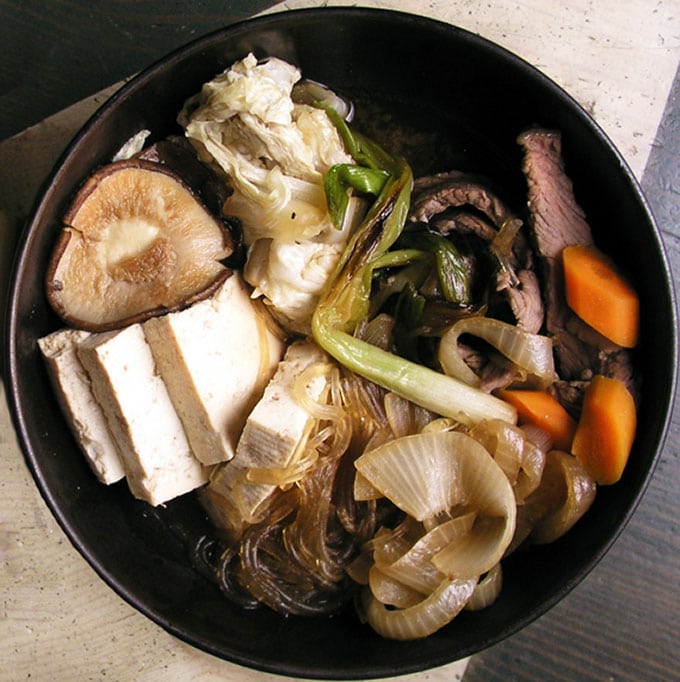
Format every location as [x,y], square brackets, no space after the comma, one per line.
[135,242]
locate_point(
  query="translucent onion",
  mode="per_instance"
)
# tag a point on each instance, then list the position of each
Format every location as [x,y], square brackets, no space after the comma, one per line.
[533,464]
[404,417]
[504,445]
[358,569]
[531,353]
[478,551]
[414,568]
[487,590]
[363,490]
[418,473]
[387,590]
[378,332]
[516,454]
[421,619]
[442,424]
[389,544]
[430,473]
[398,412]
[571,490]
[540,438]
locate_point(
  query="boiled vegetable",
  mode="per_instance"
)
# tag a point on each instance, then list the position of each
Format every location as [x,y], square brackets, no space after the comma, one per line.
[564,496]
[543,410]
[423,618]
[606,429]
[532,354]
[521,459]
[461,519]
[345,176]
[600,295]
[345,302]
[136,242]
[430,474]
[452,269]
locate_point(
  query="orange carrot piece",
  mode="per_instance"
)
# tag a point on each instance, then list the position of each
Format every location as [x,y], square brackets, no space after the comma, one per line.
[545,411]
[606,429]
[600,295]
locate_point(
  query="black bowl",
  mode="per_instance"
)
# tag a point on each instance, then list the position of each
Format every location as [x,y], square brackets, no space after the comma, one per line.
[456,100]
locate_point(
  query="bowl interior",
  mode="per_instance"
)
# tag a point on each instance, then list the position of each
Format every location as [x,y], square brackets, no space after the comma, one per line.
[449,99]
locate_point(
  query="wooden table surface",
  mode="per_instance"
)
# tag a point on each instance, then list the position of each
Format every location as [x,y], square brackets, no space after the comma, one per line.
[619,58]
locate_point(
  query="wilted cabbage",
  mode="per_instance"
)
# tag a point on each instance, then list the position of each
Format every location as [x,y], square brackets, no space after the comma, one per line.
[275,153]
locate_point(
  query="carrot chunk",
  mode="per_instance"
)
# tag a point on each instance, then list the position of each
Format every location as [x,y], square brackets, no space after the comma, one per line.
[606,429]
[543,410]
[600,295]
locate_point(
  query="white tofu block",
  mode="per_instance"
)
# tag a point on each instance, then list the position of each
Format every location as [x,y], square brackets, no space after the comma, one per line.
[158,460]
[273,431]
[83,413]
[215,358]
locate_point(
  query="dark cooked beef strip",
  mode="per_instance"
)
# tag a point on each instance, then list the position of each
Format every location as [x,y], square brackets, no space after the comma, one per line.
[557,221]
[619,365]
[569,394]
[497,377]
[456,190]
[458,220]
[460,203]
[491,369]
[526,303]
[427,182]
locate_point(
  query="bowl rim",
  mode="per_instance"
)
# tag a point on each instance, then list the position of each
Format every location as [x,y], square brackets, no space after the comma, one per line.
[139,80]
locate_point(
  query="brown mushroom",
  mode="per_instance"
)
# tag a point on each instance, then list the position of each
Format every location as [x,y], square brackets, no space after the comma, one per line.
[135,243]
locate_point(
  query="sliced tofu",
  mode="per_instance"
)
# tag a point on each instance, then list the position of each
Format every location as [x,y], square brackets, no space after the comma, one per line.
[157,457]
[83,413]
[215,358]
[273,432]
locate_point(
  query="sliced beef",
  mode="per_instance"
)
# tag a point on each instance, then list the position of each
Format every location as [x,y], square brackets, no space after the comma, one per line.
[461,221]
[557,221]
[460,203]
[493,371]
[435,194]
[570,395]
[526,302]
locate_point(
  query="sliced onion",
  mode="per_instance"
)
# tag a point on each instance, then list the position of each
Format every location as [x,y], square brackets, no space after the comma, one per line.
[363,490]
[487,590]
[533,464]
[480,549]
[421,619]
[378,332]
[398,412]
[540,438]
[388,545]
[427,474]
[504,445]
[572,492]
[358,569]
[418,473]
[532,353]
[414,568]
[391,592]
[442,424]
[518,456]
